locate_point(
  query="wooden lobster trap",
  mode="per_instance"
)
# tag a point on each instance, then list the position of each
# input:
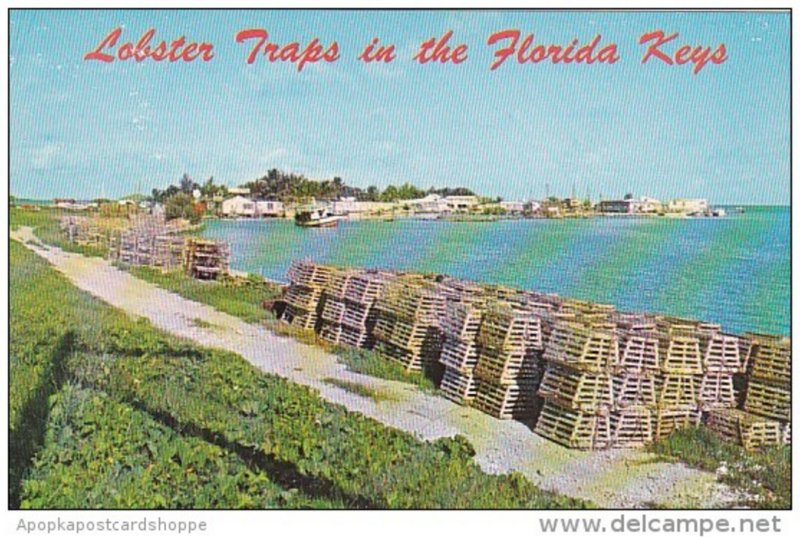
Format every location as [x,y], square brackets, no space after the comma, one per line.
[366,287]
[333,309]
[768,400]
[459,354]
[461,320]
[506,328]
[682,355]
[743,428]
[631,427]
[331,332]
[459,386]
[676,390]
[634,390]
[310,274]
[299,317]
[638,352]
[580,347]
[722,354]
[358,316]
[506,401]
[716,391]
[339,282]
[671,419]
[304,298]
[572,428]
[356,337]
[771,359]
[577,390]
[505,367]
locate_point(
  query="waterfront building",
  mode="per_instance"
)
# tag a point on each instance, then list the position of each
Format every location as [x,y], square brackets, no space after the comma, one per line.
[513,207]
[687,205]
[461,203]
[239,206]
[269,208]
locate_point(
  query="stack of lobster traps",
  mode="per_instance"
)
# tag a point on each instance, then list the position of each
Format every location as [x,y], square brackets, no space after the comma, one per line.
[721,361]
[634,382]
[307,282]
[510,343]
[681,372]
[766,419]
[407,327]
[206,259]
[460,322]
[577,386]
[347,315]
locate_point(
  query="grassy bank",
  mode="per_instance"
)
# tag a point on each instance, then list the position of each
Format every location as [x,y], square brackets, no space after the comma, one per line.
[766,475]
[168,389]
[46,224]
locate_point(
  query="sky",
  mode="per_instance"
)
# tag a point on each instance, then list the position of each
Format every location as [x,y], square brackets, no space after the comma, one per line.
[88,129]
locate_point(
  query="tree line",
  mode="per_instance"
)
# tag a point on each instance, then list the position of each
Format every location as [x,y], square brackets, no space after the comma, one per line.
[179,199]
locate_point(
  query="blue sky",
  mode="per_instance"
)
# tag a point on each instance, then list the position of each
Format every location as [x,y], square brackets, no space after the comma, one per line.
[87,129]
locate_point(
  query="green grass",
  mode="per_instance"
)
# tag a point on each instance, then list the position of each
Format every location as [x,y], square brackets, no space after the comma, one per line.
[765,475]
[359,389]
[370,363]
[46,224]
[243,301]
[286,433]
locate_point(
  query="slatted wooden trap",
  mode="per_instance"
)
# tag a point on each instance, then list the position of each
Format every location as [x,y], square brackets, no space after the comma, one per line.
[507,401]
[678,391]
[458,386]
[631,427]
[638,352]
[768,400]
[577,390]
[722,354]
[770,358]
[670,419]
[582,347]
[634,390]
[573,429]
[716,391]
[743,428]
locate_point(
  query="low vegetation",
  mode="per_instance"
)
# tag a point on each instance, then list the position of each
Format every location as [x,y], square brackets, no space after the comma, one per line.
[284,432]
[100,453]
[765,475]
[46,226]
[357,388]
[243,300]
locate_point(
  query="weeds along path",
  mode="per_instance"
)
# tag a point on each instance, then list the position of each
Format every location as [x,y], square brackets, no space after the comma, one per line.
[618,478]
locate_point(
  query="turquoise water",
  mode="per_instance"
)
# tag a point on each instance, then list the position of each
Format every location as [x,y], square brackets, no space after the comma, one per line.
[734,271]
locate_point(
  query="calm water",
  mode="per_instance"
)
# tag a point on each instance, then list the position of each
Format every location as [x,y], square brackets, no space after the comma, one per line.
[734,271]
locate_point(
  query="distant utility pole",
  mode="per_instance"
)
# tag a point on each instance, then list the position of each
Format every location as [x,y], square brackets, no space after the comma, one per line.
[547,190]
[573,191]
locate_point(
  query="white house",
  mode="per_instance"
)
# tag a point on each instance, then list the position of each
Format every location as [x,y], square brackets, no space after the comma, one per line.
[513,207]
[432,203]
[237,191]
[688,206]
[461,203]
[269,208]
[239,206]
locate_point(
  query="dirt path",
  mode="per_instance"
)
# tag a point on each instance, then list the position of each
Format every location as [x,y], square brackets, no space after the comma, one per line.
[616,478]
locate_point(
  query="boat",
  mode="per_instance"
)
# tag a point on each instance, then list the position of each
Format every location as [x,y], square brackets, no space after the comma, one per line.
[312,216]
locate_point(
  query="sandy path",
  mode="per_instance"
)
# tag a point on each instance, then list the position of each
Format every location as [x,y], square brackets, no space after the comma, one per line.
[616,478]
